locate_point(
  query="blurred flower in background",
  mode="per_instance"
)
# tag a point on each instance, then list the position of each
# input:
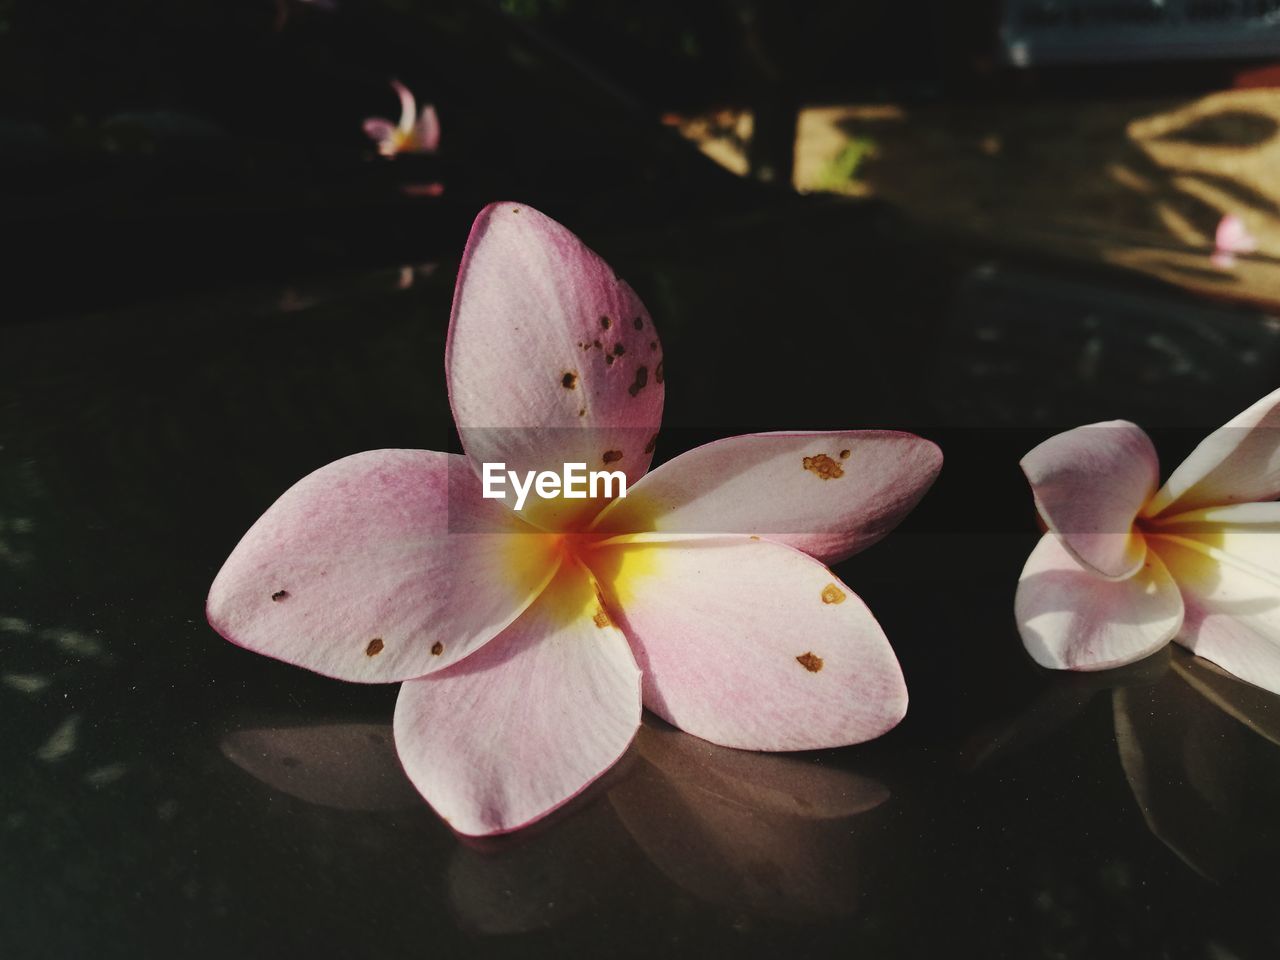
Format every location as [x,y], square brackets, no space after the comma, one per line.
[416,133]
[1231,237]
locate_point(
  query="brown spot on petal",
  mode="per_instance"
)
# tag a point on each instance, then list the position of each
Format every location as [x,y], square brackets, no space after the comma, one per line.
[639,322]
[638,384]
[280,595]
[609,358]
[823,466]
[612,456]
[374,648]
[653,442]
[601,619]
[569,381]
[657,373]
[753,537]
[582,412]
[832,594]
[810,662]
[844,454]
[595,343]
[437,648]
[619,349]
[606,323]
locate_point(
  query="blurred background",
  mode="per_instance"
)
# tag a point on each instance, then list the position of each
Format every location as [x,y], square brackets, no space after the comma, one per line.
[164,146]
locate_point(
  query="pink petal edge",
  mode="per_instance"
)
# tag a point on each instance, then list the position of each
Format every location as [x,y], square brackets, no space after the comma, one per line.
[751,644]
[1070,618]
[1090,484]
[829,494]
[528,722]
[1237,463]
[367,569]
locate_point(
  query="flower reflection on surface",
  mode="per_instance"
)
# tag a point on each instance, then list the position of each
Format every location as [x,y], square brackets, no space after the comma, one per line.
[747,832]
[1201,751]
[750,831]
[346,766]
[762,833]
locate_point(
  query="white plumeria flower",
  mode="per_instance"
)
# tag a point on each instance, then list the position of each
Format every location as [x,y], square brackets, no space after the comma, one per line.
[1127,567]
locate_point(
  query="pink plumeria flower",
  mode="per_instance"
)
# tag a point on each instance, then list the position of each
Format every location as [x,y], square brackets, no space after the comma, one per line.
[1232,237]
[415,133]
[529,640]
[1127,567]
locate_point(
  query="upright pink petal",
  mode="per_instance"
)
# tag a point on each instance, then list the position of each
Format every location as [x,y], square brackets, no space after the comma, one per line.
[1228,570]
[751,644]
[1237,463]
[1072,619]
[551,358]
[408,108]
[1089,485]
[524,724]
[366,570]
[426,133]
[828,494]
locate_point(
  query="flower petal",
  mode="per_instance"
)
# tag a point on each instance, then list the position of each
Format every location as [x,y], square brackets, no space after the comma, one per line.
[749,643]
[365,570]
[1237,463]
[828,494]
[427,132]
[408,108]
[551,359]
[727,851]
[1072,619]
[1249,533]
[1230,582]
[379,130]
[527,722]
[1089,484]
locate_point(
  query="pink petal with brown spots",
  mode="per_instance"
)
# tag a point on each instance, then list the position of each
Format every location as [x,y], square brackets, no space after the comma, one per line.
[534,375]
[717,625]
[362,566]
[828,494]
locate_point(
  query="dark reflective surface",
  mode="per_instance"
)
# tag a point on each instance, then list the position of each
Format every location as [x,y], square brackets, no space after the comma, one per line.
[164,791]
